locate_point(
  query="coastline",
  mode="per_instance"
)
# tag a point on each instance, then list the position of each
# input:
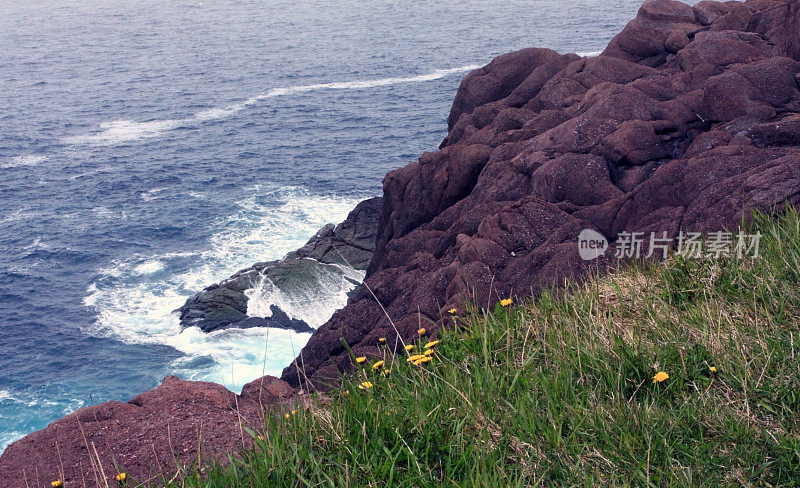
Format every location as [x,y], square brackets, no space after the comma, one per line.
[658,141]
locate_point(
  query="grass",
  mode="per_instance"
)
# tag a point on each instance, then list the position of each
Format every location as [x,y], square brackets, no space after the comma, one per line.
[560,391]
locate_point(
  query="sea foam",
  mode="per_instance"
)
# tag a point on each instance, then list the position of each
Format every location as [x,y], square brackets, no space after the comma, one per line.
[122,131]
[134,299]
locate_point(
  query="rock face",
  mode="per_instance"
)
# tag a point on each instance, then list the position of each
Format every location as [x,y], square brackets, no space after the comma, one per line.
[687,120]
[225,304]
[350,243]
[144,436]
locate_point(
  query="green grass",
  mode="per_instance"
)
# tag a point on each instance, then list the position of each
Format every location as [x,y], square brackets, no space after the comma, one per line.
[559,391]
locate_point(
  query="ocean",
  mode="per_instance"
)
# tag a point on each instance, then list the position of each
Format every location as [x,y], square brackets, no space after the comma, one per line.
[149,149]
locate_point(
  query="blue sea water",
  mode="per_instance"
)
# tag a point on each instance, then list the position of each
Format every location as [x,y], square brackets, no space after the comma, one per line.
[148,149]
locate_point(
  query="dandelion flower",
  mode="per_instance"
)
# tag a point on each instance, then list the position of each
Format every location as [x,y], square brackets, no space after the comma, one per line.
[286,416]
[386,372]
[506,302]
[660,376]
[429,352]
[422,360]
[431,344]
[452,311]
[361,360]
[382,340]
[294,412]
[409,347]
[57,484]
[377,365]
[713,369]
[122,477]
[421,331]
[365,385]
[261,437]
[415,357]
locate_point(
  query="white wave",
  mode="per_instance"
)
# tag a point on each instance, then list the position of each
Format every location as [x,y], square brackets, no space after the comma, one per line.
[363,84]
[134,299]
[589,54]
[329,293]
[152,194]
[149,267]
[120,131]
[29,160]
[7,438]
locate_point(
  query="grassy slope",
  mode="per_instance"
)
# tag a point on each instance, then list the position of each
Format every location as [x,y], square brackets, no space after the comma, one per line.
[559,391]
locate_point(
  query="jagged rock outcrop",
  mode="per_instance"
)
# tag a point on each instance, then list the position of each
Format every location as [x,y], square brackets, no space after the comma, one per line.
[689,118]
[225,304]
[351,243]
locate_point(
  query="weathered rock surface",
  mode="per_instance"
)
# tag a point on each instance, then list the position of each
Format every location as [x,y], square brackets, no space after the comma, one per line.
[687,119]
[350,243]
[144,436]
[225,304]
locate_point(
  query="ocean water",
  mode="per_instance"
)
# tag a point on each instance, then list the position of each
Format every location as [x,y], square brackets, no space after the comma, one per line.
[148,149]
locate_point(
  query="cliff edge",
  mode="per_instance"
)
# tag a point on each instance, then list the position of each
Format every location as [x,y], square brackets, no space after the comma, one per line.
[687,120]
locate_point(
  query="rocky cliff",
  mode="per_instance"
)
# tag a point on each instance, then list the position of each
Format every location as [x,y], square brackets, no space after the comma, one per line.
[686,120]
[689,119]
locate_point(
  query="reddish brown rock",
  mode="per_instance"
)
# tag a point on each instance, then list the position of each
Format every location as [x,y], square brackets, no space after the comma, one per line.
[144,437]
[685,121]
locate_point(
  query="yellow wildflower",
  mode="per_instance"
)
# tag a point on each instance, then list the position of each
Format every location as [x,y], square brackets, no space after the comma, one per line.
[429,352]
[261,437]
[382,340]
[377,365]
[365,385]
[361,360]
[431,344]
[409,347]
[452,311]
[386,372]
[122,477]
[294,412]
[415,357]
[421,331]
[422,360]
[506,302]
[57,484]
[660,376]
[286,416]
[713,369]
